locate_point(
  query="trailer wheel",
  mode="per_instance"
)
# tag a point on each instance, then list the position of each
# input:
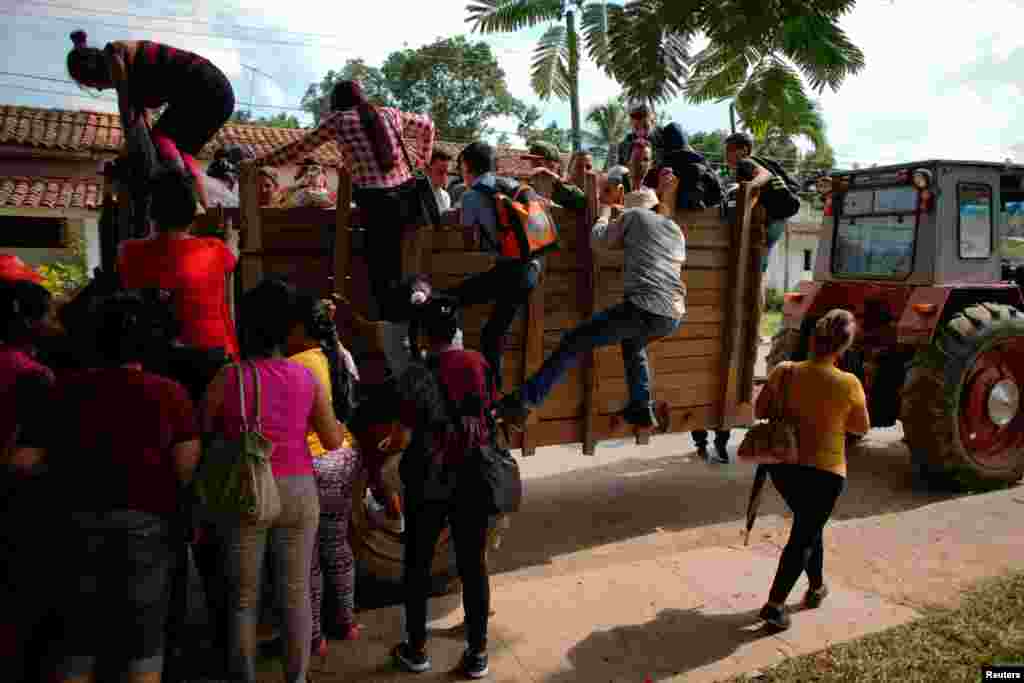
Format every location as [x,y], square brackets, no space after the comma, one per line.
[378,549]
[785,344]
[960,402]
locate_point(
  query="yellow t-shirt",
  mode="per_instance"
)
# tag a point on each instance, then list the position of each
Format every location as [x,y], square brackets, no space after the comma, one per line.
[316,361]
[826,403]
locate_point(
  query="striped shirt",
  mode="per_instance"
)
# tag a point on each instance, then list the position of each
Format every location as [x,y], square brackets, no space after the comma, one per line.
[356,144]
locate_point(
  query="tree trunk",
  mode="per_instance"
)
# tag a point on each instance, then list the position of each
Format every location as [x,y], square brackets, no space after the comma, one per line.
[574,77]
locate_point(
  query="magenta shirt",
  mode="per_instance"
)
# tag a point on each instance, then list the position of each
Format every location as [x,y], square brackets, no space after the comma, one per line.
[15,363]
[288,391]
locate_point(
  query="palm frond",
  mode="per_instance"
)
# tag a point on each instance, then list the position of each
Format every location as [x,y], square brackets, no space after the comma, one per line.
[773,96]
[718,73]
[550,71]
[650,61]
[610,120]
[506,16]
[594,22]
[821,50]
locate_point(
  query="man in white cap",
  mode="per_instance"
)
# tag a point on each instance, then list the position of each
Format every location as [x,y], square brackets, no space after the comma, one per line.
[654,305]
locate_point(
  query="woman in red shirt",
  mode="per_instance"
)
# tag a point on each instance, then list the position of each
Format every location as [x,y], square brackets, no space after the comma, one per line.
[193,268]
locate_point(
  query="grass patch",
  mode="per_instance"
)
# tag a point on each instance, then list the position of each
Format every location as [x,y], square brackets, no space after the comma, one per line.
[945,645]
[1013,249]
[770,323]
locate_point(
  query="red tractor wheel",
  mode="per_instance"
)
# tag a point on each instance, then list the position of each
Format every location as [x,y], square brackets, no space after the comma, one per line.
[960,404]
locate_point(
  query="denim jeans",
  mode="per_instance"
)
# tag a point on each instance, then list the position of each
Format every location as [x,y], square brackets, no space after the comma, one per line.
[508,285]
[624,324]
[293,535]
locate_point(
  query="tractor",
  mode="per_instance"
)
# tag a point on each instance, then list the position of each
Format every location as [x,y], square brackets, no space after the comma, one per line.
[914,252]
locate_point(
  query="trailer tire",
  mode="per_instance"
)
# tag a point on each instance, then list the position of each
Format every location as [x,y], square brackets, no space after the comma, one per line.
[960,405]
[378,550]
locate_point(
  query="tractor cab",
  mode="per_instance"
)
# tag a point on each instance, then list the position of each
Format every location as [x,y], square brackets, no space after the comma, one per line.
[917,253]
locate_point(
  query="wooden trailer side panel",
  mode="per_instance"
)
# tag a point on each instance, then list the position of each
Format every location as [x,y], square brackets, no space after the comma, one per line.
[704,371]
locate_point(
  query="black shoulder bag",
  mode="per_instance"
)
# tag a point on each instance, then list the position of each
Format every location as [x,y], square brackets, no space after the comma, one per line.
[424,201]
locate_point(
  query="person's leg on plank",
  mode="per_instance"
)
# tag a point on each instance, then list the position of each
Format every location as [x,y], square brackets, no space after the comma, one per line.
[612,326]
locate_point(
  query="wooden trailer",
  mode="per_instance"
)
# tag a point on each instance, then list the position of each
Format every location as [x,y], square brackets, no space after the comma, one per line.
[705,372]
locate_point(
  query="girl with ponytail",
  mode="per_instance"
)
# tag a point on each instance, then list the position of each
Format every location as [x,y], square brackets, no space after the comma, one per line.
[314,343]
[384,187]
[147,75]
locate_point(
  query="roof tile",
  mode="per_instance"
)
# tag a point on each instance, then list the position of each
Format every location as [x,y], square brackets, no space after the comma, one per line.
[37,192]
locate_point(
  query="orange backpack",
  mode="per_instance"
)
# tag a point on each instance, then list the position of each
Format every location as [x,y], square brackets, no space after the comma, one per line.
[525,228]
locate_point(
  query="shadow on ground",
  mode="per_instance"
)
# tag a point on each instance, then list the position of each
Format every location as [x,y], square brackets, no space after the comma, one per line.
[585,508]
[635,652]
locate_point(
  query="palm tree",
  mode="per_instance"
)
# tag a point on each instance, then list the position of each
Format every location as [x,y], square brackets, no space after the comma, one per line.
[612,123]
[756,54]
[556,60]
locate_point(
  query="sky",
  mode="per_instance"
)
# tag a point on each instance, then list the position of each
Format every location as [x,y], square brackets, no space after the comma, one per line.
[942,79]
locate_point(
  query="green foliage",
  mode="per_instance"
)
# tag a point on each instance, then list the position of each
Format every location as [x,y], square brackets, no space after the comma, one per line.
[710,144]
[280,120]
[767,45]
[773,299]
[612,123]
[458,83]
[559,137]
[65,274]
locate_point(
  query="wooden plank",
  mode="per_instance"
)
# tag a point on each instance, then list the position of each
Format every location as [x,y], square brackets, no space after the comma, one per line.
[343,236]
[533,354]
[554,432]
[251,268]
[588,305]
[706,279]
[703,218]
[609,361]
[708,238]
[696,257]
[734,327]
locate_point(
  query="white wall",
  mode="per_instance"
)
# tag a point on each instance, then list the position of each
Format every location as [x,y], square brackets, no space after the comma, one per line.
[798,243]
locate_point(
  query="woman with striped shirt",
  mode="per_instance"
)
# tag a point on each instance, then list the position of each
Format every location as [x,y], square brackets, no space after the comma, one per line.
[198,96]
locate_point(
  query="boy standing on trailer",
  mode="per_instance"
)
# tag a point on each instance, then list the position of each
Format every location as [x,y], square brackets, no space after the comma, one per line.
[654,306]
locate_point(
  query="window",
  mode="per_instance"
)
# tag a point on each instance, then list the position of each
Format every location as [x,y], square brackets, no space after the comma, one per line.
[32,232]
[807,259]
[874,246]
[975,220]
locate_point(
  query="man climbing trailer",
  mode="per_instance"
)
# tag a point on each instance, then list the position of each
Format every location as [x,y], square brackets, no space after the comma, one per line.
[146,75]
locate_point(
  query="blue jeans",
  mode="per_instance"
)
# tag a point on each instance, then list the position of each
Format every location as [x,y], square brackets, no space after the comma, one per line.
[624,324]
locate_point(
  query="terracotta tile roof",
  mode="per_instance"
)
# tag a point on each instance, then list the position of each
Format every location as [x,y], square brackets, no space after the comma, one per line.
[21,192]
[99,133]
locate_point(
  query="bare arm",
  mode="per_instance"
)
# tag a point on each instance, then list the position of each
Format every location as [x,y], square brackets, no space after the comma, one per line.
[213,402]
[186,459]
[761,177]
[608,236]
[325,423]
[292,152]
[858,421]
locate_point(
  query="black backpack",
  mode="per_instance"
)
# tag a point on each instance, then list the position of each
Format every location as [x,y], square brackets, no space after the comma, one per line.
[780,199]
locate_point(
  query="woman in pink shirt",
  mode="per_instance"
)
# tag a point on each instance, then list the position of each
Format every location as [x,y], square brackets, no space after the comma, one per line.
[292,403]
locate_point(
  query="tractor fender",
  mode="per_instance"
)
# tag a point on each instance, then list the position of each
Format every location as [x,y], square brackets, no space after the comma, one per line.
[926,307]
[922,314]
[796,304]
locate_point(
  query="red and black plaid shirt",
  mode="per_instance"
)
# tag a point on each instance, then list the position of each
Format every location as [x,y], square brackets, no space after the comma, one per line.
[345,128]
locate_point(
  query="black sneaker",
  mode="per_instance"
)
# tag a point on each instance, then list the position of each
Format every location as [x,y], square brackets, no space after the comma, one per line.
[814,596]
[473,665]
[409,660]
[776,617]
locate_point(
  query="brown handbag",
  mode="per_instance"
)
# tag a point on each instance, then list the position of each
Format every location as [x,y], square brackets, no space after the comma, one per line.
[773,441]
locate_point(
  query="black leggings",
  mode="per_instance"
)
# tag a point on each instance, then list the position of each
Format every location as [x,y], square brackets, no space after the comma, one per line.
[383,213]
[469,527]
[811,494]
[193,121]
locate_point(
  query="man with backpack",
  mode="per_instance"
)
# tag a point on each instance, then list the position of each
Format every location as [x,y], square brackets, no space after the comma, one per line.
[516,273]
[778,193]
[653,306]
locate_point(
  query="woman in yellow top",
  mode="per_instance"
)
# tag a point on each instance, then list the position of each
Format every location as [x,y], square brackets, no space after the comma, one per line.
[826,403]
[314,343]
